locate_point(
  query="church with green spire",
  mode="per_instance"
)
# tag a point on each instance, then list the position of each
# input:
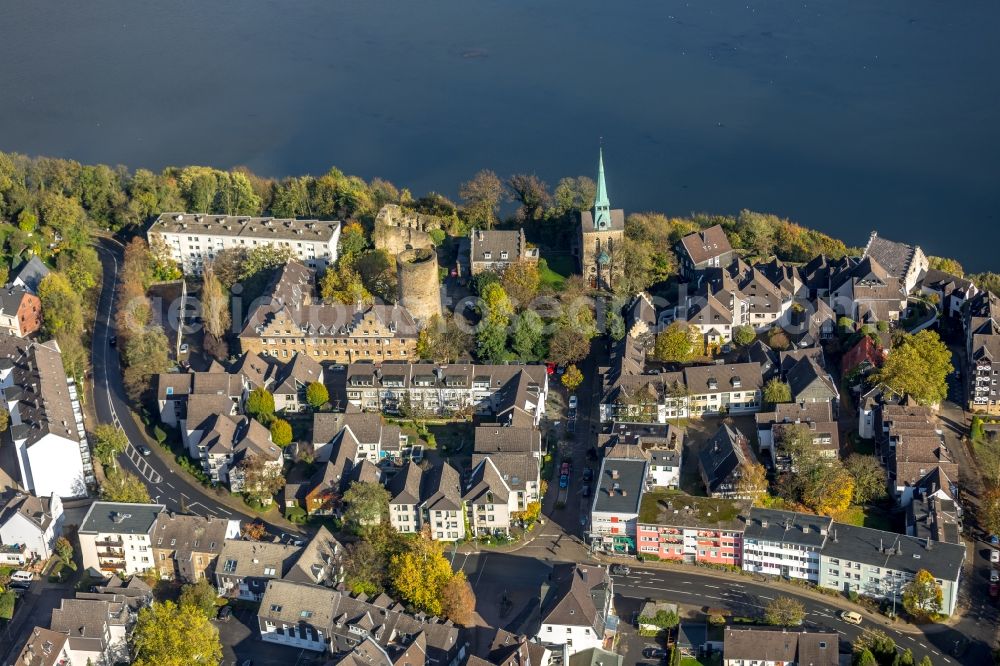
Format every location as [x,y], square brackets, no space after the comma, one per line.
[601,233]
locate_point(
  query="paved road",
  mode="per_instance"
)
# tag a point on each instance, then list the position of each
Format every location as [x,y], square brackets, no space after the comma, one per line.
[172,488]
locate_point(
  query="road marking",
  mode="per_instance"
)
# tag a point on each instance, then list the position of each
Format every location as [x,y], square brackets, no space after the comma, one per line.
[766,597]
[228,513]
[921,645]
[482,568]
[911,638]
[714,587]
[171,485]
[686,582]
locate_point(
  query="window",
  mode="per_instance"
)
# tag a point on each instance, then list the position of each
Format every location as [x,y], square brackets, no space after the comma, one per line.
[275,608]
[306,614]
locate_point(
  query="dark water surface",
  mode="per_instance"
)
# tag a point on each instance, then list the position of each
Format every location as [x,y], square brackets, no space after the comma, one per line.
[844,115]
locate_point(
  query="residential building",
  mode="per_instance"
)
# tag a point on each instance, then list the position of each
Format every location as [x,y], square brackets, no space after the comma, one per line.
[20,311]
[507,649]
[703,249]
[935,516]
[356,436]
[722,462]
[510,394]
[784,543]
[245,567]
[29,274]
[46,421]
[355,630]
[617,496]
[951,291]
[913,444]
[96,630]
[495,250]
[760,646]
[982,347]
[577,610]
[661,445]
[291,318]
[596,657]
[46,648]
[195,239]
[117,536]
[601,234]
[815,418]
[674,526]
[880,564]
[516,454]
[185,548]
[224,442]
[811,383]
[291,380]
[30,526]
[867,293]
[733,388]
[489,500]
[900,260]
[862,358]
[431,499]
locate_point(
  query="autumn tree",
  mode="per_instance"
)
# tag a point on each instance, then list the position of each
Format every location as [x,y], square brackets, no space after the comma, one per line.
[989,510]
[568,345]
[744,335]
[64,550]
[784,612]
[420,573]
[458,602]
[343,284]
[259,478]
[491,340]
[869,478]
[752,482]
[145,353]
[281,432]
[923,597]
[4,419]
[317,394]
[482,197]
[367,505]
[352,241]
[260,405]
[673,344]
[918,366]
[776,392]
[253,530]
[442,340]
[122,486]
[62,307]
[946,265]
[572,378]
[109,442]
[533,195]
[214,304]
[167,634]
[574,194]
[521,280]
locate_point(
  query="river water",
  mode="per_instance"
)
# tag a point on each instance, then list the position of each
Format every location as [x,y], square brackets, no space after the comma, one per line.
[845,116]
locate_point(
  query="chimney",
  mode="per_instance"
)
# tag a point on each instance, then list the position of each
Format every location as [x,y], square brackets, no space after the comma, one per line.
[614,474]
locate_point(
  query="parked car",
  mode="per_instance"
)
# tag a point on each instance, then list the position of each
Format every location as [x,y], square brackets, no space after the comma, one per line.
[994,555]
[417,453]
[563,480]
[573,402]
[654,653]
[113,341]
[994,576]
[184,348]
[564,468]
[225,613]
[143,450]
[994,540]
[588,474]
[994,590]
[620,570]
[851,617]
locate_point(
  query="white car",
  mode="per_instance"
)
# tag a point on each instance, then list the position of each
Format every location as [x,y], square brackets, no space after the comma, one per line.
[184,348]
[994,555]
[573,402]
[851,617]
[994,576]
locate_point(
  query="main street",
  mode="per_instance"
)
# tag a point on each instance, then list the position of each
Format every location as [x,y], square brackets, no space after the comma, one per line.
[168,485]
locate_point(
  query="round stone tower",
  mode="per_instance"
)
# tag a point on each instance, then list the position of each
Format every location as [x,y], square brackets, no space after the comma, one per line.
[419,292]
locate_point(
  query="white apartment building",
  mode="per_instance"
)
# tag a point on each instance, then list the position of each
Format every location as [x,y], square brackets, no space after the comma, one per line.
[46,422]
[577,609]
[194,239]
[116,536]
[784,543]
[33,524]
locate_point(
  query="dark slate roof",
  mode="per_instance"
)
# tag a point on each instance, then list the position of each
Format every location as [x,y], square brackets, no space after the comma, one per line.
[722,455]
[486,485]
[764,356]
[807,373]
[621,482]
[120,518]
[895,551]
[404,487]
[733,377]
[617,220]
[30,274]
[574,596]
[706,244]
[787,527]
[37,510]
[773,645]
[499,439]
[894,257]
[495,242]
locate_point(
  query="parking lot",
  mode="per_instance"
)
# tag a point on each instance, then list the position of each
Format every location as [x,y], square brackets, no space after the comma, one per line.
[241,641]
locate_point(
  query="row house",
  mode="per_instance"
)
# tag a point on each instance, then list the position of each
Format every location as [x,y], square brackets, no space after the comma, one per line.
[913,445]
[489,501]
[867,293]
[772,646]
[690,529]
[952,291]
[46,420]
[354,630]
[516,452]
[357,436]
[291,318]
[513,394]
[982,347]
[784,543]
[194,240]
[29,527]
[118,537]
[223,443]
[430,499]
[186,548]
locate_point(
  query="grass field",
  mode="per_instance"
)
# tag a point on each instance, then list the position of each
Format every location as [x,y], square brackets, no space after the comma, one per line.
[559,268]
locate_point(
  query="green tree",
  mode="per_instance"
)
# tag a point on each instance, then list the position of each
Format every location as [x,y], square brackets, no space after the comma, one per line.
[918,366]
[664,619]
[352,240]
[776,392]
[146,353]
[865,658]
[109,442]
[876,641]
[752,483]
[869,478]
[528,337]
[904,658]
[482,197]
[520,281]
[989,510]
[533,195]
[64,550]
[923,597]
[443,341]
[61,304]
[568,345]
[281,432]
[615,326]
[82,268]
[260,405]
[784,612]
[344,285]
[946,265]
[744,335]
[122,486]
[673,344]
[4,419]
[976,430]
[317,395]
[420,573]
[166,634]
[367,506]
[926,661]
[200,595]
[574,194]
[572,378]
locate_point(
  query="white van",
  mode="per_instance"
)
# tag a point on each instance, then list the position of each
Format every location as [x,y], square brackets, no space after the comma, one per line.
[22,577]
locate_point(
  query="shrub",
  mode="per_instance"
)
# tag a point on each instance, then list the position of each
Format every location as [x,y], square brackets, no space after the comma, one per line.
[159,434]
[7,605]
[296,514]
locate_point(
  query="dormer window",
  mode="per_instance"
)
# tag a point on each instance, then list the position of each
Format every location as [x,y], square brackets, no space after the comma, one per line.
[735,381]
[487,255]
[503,254]
[713,384]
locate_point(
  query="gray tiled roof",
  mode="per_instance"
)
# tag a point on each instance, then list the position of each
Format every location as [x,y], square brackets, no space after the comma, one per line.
[895,551]
[499,439]
[30,274]
[893,256]
[243,559]
[120,518]
[706,244]
[770,645]
[241,225]
[496,242]
[620,485]
[37,510]
[787,527]
[733,377]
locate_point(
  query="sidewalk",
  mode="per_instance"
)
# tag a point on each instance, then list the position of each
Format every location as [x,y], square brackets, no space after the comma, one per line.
[838,600]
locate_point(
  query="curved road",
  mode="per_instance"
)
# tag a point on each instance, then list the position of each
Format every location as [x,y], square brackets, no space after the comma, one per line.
[175,489]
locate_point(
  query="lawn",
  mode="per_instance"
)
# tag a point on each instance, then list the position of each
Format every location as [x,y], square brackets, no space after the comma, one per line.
[709,510]
[558,268]
[874,518]
[715,659]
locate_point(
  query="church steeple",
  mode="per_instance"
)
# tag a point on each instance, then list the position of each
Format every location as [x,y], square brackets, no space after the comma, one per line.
[602,207]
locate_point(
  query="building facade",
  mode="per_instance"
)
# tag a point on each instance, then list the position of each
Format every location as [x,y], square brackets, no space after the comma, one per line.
[20,312]
[117,537]
[196,239]
[599,241]
[495,250]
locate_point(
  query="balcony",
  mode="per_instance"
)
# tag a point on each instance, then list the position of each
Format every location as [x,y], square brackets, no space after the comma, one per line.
[110,543]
